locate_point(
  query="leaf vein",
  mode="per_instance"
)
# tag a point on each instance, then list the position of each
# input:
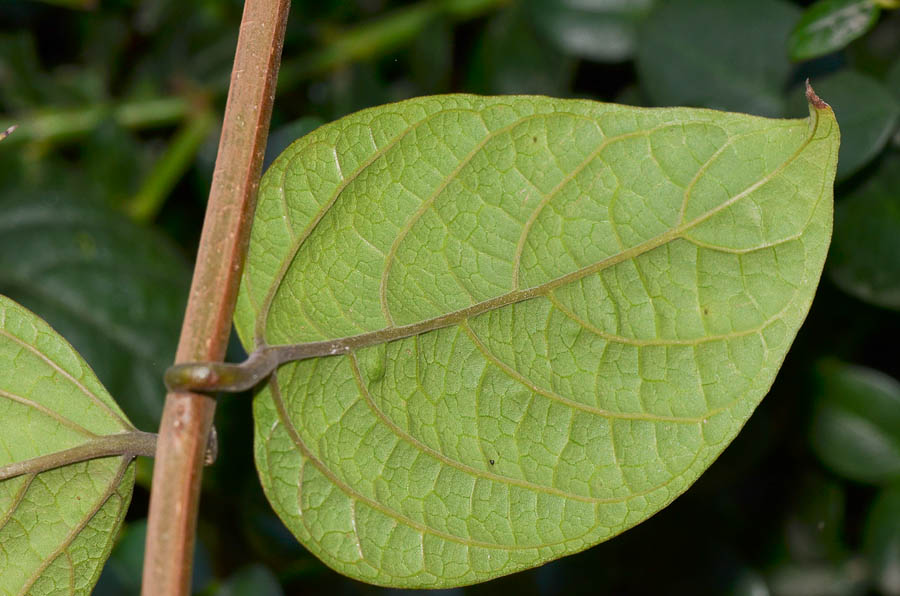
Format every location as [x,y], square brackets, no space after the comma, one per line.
[476,472]
[517,376]
[65,374]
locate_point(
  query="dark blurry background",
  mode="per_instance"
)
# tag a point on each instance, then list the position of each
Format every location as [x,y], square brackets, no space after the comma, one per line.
[103,187]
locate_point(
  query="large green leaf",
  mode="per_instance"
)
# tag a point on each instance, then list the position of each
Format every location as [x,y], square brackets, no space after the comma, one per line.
[548,317]
[56,526]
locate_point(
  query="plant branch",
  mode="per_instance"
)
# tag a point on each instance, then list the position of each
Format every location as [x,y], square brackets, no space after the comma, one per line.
[130,444]
[187,417]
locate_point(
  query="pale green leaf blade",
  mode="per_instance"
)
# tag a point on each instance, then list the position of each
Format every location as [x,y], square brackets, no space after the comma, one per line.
[561,312]
[57,526]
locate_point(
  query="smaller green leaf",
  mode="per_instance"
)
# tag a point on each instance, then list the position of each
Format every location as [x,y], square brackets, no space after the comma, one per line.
[602,30]
[56,526]
[829,25]
[881,543]
[863,260]
[856,424]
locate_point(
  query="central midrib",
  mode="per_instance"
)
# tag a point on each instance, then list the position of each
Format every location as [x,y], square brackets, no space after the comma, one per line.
[289,352]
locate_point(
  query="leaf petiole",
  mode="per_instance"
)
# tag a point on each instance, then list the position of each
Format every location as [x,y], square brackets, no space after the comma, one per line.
[129,444]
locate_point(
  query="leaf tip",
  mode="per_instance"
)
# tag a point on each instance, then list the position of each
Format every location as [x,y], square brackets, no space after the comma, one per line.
[814,99]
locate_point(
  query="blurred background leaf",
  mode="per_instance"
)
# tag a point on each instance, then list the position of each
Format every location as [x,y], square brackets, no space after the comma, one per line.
[511,58]
[882,540]
[721,55]
[603,30]
[856,423]
[829,25]
[865,251]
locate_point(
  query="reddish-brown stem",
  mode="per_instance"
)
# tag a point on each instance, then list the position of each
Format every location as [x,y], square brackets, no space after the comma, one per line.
[187,417]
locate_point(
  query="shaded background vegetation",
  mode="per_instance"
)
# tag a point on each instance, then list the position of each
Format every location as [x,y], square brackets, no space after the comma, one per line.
[102,193]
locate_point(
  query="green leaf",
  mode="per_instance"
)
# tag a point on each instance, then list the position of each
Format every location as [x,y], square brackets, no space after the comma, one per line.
[596,29]
[549,317]
[723,55]
[829,25]
[863,259]
[115,290]
[856,424]
[56,526]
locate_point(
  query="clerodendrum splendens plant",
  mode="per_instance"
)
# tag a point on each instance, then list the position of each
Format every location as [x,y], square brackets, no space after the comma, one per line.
[485,333]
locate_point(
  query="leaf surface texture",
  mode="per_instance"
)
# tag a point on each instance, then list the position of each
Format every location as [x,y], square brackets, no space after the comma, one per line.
[57,526]
[563,311]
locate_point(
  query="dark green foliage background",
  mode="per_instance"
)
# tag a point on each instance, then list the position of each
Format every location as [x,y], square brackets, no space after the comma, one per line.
[103,187]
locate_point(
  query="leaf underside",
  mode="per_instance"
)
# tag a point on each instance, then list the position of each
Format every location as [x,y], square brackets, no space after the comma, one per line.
[56,527]
[575,307]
